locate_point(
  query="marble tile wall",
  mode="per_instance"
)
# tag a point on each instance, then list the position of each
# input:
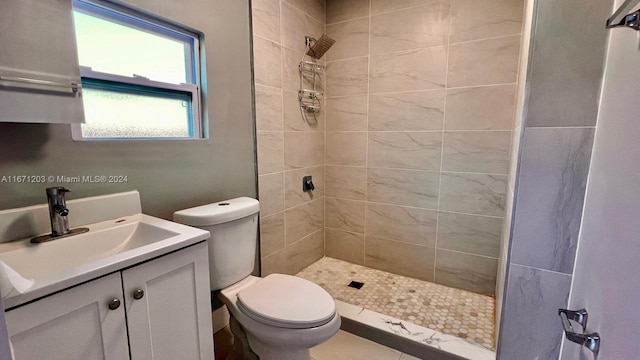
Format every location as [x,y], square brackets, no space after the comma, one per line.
[291,221]
[419,116]
[546,195]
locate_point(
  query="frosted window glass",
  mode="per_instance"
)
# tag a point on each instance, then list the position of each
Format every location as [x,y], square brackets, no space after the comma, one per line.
[121,115]
[109,47]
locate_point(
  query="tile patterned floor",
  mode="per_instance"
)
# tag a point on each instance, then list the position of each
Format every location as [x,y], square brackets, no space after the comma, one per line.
[452,311]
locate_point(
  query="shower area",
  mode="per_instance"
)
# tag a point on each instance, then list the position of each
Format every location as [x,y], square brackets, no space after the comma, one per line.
[409,150]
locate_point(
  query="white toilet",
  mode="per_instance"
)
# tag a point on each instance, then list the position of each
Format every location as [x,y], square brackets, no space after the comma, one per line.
[280,316]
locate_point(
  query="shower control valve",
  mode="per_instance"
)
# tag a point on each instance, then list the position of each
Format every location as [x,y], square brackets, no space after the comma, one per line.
[307,183]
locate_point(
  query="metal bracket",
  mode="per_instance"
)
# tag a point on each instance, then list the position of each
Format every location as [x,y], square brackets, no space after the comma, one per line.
[590,341]
[623,17]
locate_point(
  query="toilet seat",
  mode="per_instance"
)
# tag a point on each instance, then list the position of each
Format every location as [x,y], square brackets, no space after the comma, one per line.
[287,301]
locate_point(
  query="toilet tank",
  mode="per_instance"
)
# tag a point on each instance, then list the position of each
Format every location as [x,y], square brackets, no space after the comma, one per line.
[233,225]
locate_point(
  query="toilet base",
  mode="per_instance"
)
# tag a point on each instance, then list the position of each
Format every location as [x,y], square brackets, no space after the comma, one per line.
[268,353]
[246,347]
[240,349]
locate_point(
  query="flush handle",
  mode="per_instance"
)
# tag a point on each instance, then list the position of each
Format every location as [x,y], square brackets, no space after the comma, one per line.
[138,294]
[590,341]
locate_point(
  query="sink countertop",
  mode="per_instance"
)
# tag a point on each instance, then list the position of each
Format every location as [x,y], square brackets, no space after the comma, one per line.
[69,261]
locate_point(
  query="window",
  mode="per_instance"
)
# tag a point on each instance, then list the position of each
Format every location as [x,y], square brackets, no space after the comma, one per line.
[140,76]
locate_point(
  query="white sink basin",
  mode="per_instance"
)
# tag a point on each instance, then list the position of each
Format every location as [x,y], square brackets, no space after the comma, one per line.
[107,247]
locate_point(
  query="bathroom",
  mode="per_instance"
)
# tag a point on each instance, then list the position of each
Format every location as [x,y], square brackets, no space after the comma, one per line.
[544,91]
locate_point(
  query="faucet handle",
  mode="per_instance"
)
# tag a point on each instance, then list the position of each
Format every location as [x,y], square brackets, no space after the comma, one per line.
[57,190]
[61,210]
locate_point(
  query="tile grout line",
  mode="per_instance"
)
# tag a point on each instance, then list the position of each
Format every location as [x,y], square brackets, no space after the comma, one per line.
[282,63]
[366,159]
[444,119]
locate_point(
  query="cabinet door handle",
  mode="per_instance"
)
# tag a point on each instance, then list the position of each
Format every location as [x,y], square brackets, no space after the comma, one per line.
[138,294]
[114,304]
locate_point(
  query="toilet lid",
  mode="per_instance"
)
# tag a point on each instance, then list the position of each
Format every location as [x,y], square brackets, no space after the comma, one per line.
[287,301]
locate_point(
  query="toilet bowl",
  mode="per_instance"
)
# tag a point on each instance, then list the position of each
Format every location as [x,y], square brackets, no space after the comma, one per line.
[278,317]
[277,329]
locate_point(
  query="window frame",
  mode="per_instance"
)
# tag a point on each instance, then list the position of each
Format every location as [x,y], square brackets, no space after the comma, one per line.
[141,85]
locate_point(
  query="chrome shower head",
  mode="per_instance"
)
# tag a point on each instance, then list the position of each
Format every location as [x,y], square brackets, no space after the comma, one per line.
[317,48]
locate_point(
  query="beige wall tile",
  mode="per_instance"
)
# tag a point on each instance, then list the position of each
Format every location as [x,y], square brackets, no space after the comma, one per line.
[417,27]
[481,19]
[477,151]
[405,150]
[303,220]
[346,148]
[290,77]
[293,186]
[403,187]
[421,69]
[484,62]
[268,108]
[293,118]
[345,182]
[469,233]
[399,258]
[303,149]
[266,19]
[315,8]
[274,263]
[347,77]
[341,10]
[305,252]
[271,190]
[271,233]
[473,193]
[297,24]
[465,271]
[344,245]
[270,147]
[267,62]
[346,113]
[352,39]
[411,225]
[347,215]
[382,6]
[408,111]
[481,108]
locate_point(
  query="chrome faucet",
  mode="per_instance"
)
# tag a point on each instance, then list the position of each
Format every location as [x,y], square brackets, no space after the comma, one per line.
[58,211]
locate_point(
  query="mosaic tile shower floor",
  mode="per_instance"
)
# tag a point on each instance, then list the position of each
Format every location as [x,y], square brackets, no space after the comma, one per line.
[451,311]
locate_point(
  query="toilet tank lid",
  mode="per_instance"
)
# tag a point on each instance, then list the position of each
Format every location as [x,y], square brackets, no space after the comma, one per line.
[217,213]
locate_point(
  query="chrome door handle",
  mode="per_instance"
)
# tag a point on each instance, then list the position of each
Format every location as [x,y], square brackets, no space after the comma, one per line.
[590,341]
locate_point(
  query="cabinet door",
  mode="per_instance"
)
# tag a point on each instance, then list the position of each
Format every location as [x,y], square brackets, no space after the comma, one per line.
[75,324]
[172,318]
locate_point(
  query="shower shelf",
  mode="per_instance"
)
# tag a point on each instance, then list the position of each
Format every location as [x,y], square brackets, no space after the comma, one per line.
[310,99]
[310,71]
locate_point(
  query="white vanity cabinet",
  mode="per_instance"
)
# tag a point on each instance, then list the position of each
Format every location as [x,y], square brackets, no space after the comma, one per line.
[74,324]
[164,312]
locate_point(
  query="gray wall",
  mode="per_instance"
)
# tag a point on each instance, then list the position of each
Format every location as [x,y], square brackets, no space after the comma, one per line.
[169,174]
[563,81]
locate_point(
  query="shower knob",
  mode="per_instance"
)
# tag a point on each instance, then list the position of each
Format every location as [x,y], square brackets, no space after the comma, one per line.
[307,184]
